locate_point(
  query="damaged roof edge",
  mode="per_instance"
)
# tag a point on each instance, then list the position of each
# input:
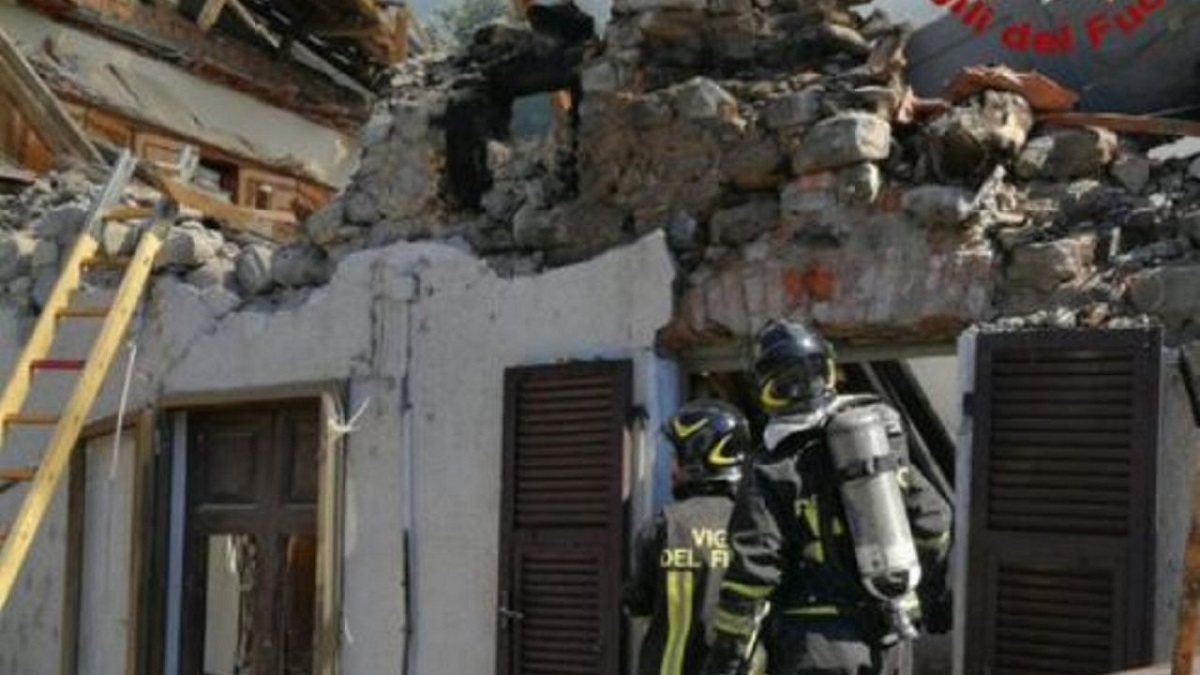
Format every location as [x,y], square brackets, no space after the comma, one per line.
[82,68]
[165,35]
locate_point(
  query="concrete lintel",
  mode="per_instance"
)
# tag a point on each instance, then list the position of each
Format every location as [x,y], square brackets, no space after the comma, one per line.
[220,397]
[732,356]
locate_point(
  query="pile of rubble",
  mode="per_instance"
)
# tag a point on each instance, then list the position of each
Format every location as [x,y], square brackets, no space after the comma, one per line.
[772,130]
[39,225]
[740,127]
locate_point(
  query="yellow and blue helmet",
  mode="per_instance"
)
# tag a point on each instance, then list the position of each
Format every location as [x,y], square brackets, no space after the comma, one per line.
[794,368]
[711,440]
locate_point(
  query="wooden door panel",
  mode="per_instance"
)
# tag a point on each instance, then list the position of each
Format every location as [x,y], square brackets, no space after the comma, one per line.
[302,434]
[252,472]
[228,460]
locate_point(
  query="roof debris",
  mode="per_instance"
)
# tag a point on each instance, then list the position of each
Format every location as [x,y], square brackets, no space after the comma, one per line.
[1042,93]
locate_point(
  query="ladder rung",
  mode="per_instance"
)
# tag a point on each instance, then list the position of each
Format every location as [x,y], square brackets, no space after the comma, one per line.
[18,475]
[127,213]
[57,364]
[32,420]
[106,263]
[83,313]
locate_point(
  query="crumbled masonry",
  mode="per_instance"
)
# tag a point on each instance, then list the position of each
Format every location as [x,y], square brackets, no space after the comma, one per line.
[777,145]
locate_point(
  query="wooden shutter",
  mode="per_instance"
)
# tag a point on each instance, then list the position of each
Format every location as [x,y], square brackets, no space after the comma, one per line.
[562,520]
[1062,506]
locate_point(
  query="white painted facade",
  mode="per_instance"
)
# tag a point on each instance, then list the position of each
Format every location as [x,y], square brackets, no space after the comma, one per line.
[437,323]
[428,313]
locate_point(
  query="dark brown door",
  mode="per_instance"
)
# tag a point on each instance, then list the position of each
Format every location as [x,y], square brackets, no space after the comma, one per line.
[562,520]
[1062,502]
[251,540]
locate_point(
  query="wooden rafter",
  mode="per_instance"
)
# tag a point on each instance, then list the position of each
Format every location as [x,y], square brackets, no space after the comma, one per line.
[40,108]
[210,13]
[163,32]
[276,226]
[1125,124]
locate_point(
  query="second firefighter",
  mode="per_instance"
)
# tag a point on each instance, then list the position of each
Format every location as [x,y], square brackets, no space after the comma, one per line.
[681,555]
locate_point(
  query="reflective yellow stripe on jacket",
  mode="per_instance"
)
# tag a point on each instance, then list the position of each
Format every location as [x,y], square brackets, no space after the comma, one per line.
[815,549]
[680,586]
[814,610]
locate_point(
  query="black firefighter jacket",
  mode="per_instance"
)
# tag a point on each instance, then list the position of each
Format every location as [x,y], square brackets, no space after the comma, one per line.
[791,546]
[680,558]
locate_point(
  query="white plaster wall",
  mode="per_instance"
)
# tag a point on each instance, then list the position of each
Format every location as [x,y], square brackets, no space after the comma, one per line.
[1177,466]
[374,617]
[962,497]
[466,334]
[938,377]
[442,319]
[107,539]
[30,627]
[12,336]
[31,623]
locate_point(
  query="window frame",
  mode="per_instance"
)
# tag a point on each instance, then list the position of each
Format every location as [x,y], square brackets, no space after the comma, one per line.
[161,463]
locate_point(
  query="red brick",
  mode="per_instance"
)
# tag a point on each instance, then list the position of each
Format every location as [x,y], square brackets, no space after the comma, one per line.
[794,286]
[820,282]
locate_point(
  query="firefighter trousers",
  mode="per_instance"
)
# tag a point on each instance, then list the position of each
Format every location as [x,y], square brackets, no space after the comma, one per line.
[831,647]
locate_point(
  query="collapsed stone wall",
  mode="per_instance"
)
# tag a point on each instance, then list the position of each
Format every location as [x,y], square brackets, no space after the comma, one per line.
[781,150]
[39,225]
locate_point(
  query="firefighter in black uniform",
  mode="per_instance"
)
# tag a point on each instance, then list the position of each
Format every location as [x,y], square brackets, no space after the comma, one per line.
[681,555]
[818,548]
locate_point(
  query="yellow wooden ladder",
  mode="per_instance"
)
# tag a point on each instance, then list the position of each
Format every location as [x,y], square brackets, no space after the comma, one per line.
[66,427]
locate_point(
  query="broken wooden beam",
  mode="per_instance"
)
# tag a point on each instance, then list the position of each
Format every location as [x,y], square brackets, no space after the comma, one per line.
[162,31]
[279,227]
[400,34]
[40,108]
[15,175]
[1125,124]
[253,23]
[209,13]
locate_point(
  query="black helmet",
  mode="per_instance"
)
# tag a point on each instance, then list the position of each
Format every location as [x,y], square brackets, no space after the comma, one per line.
[793,368]
[711,439]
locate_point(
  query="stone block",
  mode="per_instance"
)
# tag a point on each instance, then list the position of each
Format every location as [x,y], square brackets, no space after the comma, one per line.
[640,6]
[842,140]
[702,99]
[16,252]
[300,265]
[793,109]
[859,184]
[253,268]
[1045,266]
[744,222]
[323,227]
[971,138]
[189,244]
[939,205]
[1167,292]
[753,164]
[1132,170]
[1067,153]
